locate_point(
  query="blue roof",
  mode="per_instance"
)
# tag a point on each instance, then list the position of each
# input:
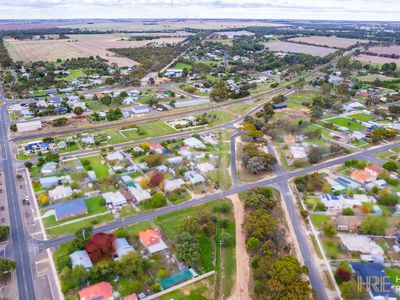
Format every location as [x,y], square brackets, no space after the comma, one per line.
[371,271]
[69,207]
[279,105]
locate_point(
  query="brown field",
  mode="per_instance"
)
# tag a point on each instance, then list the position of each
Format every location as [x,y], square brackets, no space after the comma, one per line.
[280,46]
[376,59]
[81,45]
[386,50]
[330,41]
[164,25]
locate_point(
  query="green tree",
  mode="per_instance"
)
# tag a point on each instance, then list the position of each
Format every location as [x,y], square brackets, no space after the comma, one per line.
[219,92]
[374,225]
[78,110]
[4,233]
[190,225]
[6,266]
[260,225]
[351,291]
[329,228]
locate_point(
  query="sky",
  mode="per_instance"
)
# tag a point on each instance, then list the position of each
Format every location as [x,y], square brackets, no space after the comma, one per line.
[379,10]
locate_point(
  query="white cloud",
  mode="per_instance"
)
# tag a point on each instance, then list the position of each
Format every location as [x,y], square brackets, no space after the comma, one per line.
[263,9]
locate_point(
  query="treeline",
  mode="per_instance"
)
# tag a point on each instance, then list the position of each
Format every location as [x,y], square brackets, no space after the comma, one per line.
[5,60]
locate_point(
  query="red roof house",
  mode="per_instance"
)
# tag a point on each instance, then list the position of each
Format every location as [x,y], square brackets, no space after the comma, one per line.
[99,291]
[151,240]
[373,170]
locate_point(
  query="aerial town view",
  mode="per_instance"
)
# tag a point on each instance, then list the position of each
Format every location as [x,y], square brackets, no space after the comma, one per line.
[199,150]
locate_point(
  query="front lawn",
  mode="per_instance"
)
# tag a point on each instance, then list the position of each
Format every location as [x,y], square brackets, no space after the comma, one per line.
[394,275]
[319,220]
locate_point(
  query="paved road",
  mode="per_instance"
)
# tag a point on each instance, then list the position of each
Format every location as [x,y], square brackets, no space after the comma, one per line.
[19,245]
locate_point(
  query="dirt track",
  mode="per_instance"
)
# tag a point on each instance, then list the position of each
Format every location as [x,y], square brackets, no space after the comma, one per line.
[241,287]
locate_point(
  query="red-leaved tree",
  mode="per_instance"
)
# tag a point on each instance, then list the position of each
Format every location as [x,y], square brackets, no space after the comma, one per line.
[156,179]
[100,246]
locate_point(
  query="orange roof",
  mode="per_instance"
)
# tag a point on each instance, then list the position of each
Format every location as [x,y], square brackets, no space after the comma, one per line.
[361,175]
[131,297]
[101,289]
[150,237]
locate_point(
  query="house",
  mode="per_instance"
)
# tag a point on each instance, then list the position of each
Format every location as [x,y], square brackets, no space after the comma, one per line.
[92,175]
[81,258]
[185,153]
[29,126]
[348,223]
[336,187]
[126,179]
[173,72]
[115,198]
[116,156]
[373,170]
[138,193]
[140,109]
[298,151]
[172,185]
[157,148]
[131,297]
[152,241]
[176,160]
[379,283]
[194,143]
[194,177]
[380,183]
[279,105]
[122,247]
[360,244]
[99,291]
[49,168]
[47,182]
[347,183]
[70,209]
[364,198]
[205,167]
[333,202]
[362,176]
[60,192]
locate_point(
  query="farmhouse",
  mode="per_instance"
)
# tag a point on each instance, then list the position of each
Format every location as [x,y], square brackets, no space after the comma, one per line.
[70,209]
[151,240]
[81,258]
[60,192]
[102,291]
[29,126]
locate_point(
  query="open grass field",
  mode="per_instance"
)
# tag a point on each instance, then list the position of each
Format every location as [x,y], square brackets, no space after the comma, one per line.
[307,97]
[100,169]
[319,220]
[78,45]
[279,46]
[373,77]
[344,122]
[361,117]
[330,41]
[182,66]
[73,74]
[376,59]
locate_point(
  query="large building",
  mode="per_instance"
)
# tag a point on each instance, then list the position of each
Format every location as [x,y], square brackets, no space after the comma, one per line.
[29,126]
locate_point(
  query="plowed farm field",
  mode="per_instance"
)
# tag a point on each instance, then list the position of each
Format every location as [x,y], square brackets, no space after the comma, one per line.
[330,41]
[82,45]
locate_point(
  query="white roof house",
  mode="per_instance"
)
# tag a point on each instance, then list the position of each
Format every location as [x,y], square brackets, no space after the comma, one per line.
[115,198]
[47,182]
[138,193]
[122,247]
[360,243]
[176,160]
[60,192]
[49,168]
[333,202]
[174,184]
[81,258]
[29,126]
[298,151]
[194,177]
[115,156]
[194,143]
[92,175]
[205,167]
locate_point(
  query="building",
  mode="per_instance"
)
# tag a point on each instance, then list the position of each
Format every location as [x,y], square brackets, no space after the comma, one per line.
[81,258]
[115,198]
[194,177]
[122,247]
[99,291]
[49,168]
[176,160]
[333,202]
[47,182]
[152,241]
[131,297]
[116,156]
[347,183]
[157,148]
[172,185]
[348,223]
[279,105]
[194,143]
[138,193]
[205,167]
[297,151]
[194,102]
[362,176]
[29,126]
[70,209]
[373,170]
[140,109]
[60,192]
[380,285]
[360,244]
[92,175]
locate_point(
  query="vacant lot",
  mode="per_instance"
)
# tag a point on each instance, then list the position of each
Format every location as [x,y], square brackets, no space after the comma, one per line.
[79,45]
[279,46]
[345,122]
[330,41]
[376,59]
